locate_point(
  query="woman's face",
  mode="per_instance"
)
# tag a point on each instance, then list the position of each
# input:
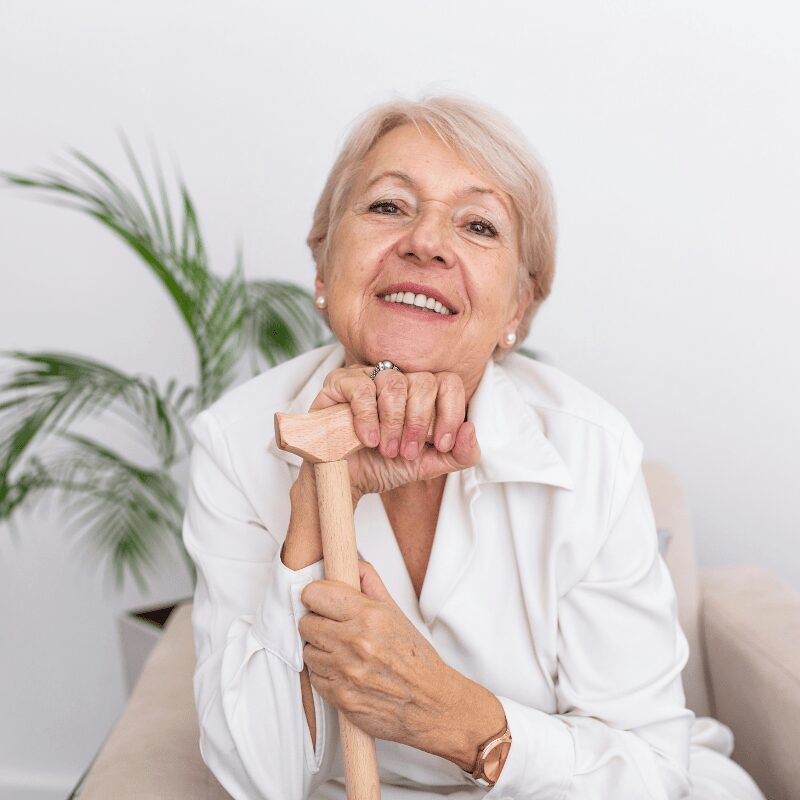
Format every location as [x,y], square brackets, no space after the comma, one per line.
[420,221]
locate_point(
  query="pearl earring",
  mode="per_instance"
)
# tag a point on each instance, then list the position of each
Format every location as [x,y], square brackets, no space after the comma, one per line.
[510,338]
[320,301]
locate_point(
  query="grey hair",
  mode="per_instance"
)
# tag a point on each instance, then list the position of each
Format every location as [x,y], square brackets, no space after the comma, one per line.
[491,143]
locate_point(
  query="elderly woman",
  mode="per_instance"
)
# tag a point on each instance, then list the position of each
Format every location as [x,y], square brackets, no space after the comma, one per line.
[516,626]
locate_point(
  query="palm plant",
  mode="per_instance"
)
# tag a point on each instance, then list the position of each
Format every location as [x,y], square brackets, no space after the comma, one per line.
[128,512]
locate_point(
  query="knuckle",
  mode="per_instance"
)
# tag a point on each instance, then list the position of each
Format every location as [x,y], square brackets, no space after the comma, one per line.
[392,411]
[395,382]
[364,392]
[355,674]
[450,382]
[416,428]
[334,376]
[425,382]
[364,647]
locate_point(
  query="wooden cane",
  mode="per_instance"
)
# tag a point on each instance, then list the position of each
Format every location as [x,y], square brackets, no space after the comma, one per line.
[325,438]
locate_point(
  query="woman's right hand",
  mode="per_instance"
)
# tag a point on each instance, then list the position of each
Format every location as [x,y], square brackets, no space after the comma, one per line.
[392,416]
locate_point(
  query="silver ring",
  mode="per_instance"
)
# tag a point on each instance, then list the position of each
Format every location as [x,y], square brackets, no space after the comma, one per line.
[380,366]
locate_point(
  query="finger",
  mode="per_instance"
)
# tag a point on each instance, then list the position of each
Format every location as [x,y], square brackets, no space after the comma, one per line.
[450,410]
[420,407]
[331,392]
[319,662]
[324,685]
[319,631]
[332,599]
[392,387]
[353,385]
[465,453]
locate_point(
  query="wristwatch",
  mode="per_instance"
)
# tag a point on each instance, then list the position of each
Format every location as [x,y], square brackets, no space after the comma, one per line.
[492,755]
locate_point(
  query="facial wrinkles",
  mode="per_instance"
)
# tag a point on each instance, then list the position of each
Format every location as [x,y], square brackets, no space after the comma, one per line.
[442,198]
[439,233]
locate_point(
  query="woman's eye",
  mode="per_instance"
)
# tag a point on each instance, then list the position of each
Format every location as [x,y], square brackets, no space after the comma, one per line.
[385,207]
[482,227]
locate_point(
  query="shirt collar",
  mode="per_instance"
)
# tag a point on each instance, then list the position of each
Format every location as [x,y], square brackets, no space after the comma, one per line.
[514,447]
[513,444]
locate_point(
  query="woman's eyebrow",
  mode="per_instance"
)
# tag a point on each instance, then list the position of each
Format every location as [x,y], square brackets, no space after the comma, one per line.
[391,173]
[482,190]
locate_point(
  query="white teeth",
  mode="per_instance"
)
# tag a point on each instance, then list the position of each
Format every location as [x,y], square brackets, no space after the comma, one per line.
[419,301]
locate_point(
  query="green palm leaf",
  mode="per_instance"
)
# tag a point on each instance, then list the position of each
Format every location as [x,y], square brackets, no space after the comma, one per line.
[54,390]
[213,308]
[122,509]
[127,511]
[282,321]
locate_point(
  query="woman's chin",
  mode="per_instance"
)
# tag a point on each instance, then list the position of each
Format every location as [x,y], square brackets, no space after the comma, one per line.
[411,353]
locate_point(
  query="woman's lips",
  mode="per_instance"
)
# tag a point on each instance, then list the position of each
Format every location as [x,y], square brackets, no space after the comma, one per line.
[417,296]
[413,308]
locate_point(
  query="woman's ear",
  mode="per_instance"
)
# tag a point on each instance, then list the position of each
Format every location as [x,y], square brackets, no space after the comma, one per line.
[319,285]
[524,299]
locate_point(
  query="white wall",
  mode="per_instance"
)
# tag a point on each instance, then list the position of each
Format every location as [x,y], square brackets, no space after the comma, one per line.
[670,130]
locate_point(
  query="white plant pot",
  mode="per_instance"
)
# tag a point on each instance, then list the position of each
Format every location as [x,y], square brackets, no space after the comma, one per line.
[139,631]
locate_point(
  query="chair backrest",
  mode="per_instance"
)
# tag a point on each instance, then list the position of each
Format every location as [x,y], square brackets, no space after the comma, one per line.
[676,542]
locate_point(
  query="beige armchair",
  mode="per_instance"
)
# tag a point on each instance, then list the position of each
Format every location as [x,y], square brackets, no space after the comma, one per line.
[742,623]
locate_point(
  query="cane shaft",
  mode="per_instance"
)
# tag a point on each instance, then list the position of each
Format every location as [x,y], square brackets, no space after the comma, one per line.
[362,780]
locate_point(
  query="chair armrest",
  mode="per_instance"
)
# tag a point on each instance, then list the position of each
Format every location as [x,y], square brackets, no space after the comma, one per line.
[751,627]
[153,751]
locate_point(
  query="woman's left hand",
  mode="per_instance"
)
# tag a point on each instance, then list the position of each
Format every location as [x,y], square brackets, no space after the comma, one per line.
[367,659]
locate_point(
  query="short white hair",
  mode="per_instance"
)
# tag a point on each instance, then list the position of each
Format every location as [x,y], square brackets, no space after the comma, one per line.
[491,143]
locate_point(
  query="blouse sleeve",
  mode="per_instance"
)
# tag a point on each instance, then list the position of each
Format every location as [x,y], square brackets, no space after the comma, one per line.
[623,728]
[254,734]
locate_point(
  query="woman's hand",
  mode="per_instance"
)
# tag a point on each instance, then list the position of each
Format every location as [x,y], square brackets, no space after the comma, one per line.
[367,659]
[392,416]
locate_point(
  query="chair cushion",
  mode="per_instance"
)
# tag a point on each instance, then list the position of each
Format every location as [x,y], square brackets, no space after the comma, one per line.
[154,750]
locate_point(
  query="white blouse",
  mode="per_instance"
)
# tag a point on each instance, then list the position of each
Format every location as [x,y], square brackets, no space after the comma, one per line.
[544,584]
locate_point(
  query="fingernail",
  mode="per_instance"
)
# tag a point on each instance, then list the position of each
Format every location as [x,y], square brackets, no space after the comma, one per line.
[373,438]
[392,448]
[411,450]
[446,441]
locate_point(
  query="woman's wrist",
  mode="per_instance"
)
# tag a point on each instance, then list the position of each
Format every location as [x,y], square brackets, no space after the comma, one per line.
[303,545]
[471,716]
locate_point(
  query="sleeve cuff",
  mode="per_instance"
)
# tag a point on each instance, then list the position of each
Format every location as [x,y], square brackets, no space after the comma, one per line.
[276,621]
[541,760]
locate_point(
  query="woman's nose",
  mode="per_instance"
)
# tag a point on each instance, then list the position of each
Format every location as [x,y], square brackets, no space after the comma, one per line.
[426,240]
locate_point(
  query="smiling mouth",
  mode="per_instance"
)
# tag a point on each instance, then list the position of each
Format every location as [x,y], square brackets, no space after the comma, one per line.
[420,301]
